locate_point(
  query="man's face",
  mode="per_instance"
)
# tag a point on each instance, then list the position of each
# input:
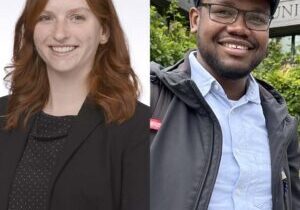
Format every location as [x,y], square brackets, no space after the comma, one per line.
[229,51]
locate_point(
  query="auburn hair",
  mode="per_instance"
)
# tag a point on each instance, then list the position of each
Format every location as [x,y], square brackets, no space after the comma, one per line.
[113,83]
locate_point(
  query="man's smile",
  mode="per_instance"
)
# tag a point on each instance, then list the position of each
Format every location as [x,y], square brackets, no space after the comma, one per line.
[236,47]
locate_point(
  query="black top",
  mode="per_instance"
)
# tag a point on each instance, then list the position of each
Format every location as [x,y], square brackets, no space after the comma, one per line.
[46,140]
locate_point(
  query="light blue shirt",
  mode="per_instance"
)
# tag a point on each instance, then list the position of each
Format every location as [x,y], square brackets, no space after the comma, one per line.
[244,177]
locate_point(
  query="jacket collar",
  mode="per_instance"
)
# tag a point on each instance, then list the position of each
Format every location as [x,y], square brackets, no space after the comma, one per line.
[177,79]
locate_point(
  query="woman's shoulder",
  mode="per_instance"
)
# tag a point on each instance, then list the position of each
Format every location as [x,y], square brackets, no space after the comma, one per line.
[135,131]
[3,104]
[142,111]
[3,109]
[138,123]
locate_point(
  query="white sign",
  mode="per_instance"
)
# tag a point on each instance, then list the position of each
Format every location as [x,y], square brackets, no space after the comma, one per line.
[287,14]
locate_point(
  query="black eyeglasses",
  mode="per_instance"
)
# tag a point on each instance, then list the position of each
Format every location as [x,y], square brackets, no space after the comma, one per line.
[257,21]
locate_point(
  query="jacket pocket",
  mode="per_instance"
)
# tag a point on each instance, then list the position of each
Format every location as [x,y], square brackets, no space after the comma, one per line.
[285,189]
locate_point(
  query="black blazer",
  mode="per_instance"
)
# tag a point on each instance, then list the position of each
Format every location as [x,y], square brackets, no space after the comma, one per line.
[102,167]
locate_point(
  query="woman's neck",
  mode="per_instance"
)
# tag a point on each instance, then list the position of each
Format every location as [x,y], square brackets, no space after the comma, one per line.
[67,94]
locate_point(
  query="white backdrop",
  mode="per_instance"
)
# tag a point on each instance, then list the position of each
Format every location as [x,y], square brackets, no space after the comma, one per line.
[134,16]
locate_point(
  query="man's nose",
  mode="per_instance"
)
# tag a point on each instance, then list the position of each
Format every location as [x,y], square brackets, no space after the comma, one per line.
[239,26]
[61,31]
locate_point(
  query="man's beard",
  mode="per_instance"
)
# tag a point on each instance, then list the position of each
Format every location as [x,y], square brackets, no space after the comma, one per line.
[214,61]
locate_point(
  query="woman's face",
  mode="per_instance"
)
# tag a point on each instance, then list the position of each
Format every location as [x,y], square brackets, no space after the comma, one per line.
[67,36]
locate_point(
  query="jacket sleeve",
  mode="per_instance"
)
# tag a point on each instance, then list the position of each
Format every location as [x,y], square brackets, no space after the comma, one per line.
[135,167]
[293,152]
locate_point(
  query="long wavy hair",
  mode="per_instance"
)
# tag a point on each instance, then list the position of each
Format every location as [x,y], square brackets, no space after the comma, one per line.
[113,83]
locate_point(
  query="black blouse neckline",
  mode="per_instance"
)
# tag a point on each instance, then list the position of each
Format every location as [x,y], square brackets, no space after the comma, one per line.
[50,127]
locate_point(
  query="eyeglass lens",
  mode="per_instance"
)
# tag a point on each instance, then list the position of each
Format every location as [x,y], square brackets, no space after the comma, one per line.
[227,15]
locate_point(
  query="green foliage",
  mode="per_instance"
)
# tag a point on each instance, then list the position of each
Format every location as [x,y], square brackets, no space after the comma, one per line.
[169,35]
[276,59]
[282,71]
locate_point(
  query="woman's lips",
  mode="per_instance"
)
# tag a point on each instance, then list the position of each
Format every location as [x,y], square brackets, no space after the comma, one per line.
[63,49]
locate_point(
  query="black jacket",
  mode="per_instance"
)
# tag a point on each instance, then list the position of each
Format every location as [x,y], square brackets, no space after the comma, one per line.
[102,167]
[185,152]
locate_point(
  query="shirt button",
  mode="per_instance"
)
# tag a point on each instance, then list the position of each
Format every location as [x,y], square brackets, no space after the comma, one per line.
[216,87]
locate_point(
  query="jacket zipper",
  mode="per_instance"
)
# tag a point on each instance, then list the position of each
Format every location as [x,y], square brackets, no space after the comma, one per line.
[285,186]
[200,190]
[283,182]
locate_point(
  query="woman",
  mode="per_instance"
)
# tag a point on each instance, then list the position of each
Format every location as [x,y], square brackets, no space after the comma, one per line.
[73,135]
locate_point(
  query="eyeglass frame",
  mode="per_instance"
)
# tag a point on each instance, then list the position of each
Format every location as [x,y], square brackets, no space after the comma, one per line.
[208,5]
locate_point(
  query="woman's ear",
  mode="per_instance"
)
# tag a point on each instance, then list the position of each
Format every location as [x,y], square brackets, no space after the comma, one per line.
[104,34]
[194,16]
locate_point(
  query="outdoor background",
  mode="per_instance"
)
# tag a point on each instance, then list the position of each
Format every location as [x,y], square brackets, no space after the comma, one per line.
[135,22]
[170,39]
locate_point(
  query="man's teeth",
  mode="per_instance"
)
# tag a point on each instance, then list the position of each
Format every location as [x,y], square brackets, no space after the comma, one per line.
[234,46]
[63,49]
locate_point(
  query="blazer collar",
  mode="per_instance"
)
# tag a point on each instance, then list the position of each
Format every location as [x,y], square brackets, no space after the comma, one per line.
[13,143]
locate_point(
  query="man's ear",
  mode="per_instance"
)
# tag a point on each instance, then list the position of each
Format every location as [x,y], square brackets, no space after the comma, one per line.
[194,16]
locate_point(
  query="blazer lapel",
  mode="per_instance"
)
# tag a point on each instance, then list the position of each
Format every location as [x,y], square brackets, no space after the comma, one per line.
[87,120]
[12,144]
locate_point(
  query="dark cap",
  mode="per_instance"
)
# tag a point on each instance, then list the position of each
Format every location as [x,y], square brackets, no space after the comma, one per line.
[273,5]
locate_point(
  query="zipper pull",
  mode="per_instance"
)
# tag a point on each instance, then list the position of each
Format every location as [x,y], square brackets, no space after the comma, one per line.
[283,175]
[284,181]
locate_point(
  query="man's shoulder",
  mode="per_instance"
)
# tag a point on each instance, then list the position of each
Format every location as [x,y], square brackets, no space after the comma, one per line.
[273,103]
[155,67]
[161,95]
[159,71]
[155,70]
[156,74]
[268,92]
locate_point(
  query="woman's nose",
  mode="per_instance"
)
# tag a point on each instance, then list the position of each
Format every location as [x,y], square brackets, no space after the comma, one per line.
[60,32]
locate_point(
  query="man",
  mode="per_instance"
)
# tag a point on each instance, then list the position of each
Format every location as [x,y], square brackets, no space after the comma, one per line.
[221,140]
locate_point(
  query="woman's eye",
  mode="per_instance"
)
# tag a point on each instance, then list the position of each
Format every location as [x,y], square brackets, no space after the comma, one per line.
[77,18]
[44,18]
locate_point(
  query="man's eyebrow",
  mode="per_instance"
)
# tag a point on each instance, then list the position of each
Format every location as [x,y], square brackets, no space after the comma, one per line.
[255,8]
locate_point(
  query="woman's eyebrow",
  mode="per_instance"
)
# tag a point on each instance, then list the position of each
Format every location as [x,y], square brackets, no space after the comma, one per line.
[79,9]
[69,11]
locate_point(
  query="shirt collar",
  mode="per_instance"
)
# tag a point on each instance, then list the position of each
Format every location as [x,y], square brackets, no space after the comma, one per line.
[200,76]
[206,82]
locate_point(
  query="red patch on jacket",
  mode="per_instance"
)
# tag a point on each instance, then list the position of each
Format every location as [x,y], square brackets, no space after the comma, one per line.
[155,124]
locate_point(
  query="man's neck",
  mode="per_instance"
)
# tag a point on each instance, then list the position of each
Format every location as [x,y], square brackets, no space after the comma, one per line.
[234,89]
